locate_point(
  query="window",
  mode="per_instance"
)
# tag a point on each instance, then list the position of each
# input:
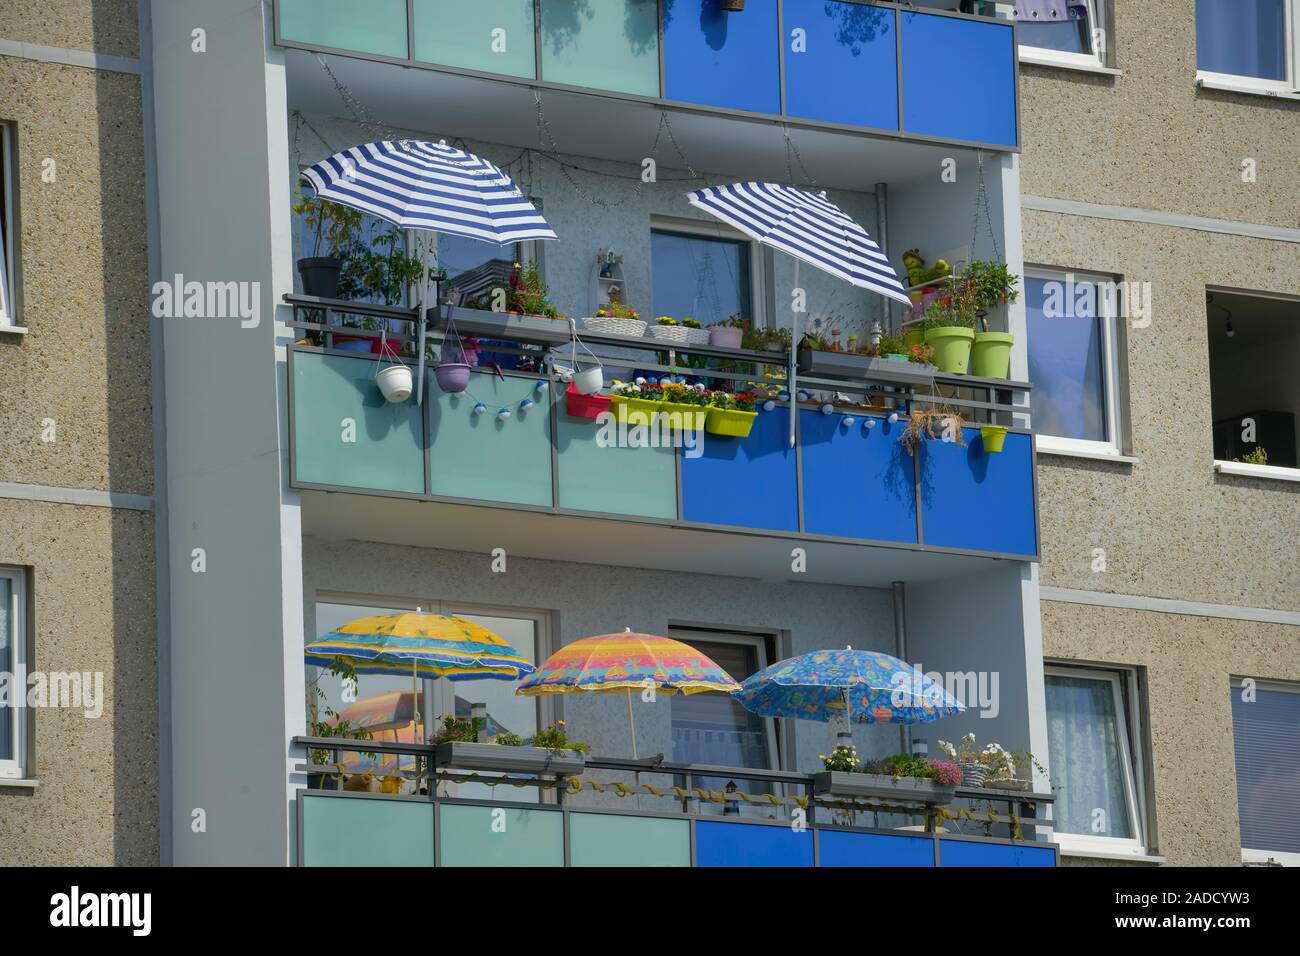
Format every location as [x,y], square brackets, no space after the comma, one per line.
[8,234]
[1061,32]
[1073,361]
[1266,737]
[474,267]
[714,728]
[13,663]
[1249,45]
[1091,715]
[701,271]
[1254,345]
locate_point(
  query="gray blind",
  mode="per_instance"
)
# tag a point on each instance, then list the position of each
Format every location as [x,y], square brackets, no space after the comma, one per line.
[1266,735]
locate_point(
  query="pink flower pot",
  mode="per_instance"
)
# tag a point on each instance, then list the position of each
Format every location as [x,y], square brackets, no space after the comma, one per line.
[726,337]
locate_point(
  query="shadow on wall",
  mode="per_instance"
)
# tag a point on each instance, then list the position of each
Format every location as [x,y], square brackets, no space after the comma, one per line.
[132,688]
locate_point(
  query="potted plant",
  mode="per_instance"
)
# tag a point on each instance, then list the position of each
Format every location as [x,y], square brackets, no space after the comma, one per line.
[379,269]
[696,334]
[901,778]
[616,318]
[730,415]
[729,333]
[929,423]
[550,751]
[670,330]
[636,402]
[892,349]
[686,404]
[768,340]
[993,766]
[989,285]
[335,229]
[949,326]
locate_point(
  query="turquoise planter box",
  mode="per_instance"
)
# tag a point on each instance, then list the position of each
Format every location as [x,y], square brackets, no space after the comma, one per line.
[500,836]
[482,457]
[641,482]
[355,831]
[604,839]
[344,431]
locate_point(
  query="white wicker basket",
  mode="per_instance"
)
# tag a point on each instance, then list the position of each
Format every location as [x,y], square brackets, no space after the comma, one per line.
[609,325]
[697,336]
[677,334]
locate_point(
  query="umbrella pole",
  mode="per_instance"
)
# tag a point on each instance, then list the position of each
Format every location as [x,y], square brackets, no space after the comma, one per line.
[794,347]
[631,720]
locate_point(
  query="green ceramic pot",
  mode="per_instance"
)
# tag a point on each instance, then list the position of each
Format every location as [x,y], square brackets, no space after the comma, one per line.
[952,345]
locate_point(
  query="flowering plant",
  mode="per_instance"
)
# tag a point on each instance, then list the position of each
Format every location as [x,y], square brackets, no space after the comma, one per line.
[615,308]
[682,394]
[556,739]
[1002,764]
[921,354]
[638,389]
[844,759]
[734,322]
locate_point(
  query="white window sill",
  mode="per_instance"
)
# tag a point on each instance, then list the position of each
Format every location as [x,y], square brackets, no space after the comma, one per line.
[1244,84]
[1245,470]
[1102,855]
[18,784]
[1103,848]
[14,329]
[1084,64]
[1265,856]
[1044,447]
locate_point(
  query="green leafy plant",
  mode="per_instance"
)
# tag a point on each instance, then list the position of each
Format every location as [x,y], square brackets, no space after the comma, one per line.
[665,320]
[988,284]
[921,354]
[508,739]
[932,423]
[768,339]
[1256,457]
[335,228]
[556,739]
[843,759]
[458,730]
[615,308]
[732,322]
[682,394]
[888,345]
[322,719]
[949,311]
[380,268]
[691,323]
[528,292]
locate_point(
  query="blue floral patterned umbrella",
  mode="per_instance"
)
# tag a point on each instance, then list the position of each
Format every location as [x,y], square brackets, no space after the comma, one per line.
[857,686]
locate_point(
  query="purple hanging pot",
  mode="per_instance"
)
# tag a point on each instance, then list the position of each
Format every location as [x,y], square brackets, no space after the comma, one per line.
[452,376]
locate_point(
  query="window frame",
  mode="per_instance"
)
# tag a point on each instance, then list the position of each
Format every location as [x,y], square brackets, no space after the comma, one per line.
[1129,724]
[1240,83]
[715,229]
[16,767]
[11,265]
[688,634]
[1095,60]
[1250,854]
[1108,309]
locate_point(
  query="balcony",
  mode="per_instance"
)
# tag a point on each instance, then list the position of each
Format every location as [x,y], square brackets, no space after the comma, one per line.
[647,813]
[883,68]
[848,481]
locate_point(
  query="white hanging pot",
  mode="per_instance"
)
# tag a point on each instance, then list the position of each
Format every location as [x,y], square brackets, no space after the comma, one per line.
[395,382]
[589,380]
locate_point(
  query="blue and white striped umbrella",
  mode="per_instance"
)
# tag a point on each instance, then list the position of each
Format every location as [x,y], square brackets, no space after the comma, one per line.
[809,227]
[429,186]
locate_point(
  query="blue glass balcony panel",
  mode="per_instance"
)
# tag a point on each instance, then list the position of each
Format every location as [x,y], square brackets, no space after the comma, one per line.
[747,482]
[844,848]
[751,844]
[720,58]
[844,66]
[977,501]
[857,482]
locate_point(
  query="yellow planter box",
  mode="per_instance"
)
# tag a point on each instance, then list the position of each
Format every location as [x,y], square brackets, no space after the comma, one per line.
[635,411]
[730,421]
[684,417]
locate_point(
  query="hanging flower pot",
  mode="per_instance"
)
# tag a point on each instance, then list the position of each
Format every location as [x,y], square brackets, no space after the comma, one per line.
[394,382]
[452,376]
[589,380]
[992,437]
[735,6]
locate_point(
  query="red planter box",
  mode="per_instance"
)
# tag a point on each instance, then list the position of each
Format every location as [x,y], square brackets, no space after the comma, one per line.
[577,405]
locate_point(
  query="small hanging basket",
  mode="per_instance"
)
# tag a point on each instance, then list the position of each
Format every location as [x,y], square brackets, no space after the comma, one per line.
[587,380]
[453,376]
[394,380]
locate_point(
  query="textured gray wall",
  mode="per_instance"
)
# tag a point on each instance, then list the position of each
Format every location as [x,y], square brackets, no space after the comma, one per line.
[86,365]
[1171,528]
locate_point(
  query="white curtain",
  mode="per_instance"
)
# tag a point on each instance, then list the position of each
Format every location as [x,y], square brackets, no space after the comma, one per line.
[1084,743]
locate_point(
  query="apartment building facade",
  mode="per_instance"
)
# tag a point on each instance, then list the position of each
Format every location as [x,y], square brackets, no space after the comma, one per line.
[78,772]
[1112,576]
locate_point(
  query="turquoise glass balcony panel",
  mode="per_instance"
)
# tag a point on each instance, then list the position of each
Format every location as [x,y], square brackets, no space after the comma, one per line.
[843,848]
[977,501]
[377,27]
[857,482]
[605,839]
[747,482]
[959,78]
[346,434]
[843,67]
[483,456]
[597,475]
[355,831]
[611,45]
[505,836]
[971,853]
[720,58]
[493,36]
[751,844]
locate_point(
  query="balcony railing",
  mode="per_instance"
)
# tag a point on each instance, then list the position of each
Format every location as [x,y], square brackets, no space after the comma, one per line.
[848,479]
[643,813]
[851,64]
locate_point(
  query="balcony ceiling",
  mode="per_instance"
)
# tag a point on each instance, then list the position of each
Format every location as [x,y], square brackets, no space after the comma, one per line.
[338,516]
[446,105]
